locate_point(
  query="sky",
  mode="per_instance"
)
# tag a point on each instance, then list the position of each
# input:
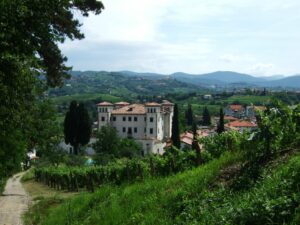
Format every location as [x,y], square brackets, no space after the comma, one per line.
[257,37]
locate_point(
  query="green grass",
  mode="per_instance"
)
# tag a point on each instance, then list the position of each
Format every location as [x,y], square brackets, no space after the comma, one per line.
[273,200]
[213,109]
[85,97]
[29,175]
[247,99]
[151,202]
[191,197]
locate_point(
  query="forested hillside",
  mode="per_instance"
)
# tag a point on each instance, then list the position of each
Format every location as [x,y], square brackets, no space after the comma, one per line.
[118,84]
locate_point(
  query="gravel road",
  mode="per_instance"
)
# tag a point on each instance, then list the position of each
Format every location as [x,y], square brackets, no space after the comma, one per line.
[13,202]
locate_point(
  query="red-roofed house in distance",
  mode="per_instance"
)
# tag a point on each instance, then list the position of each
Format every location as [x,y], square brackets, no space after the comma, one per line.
[237,111]
[241,125]
[186,138]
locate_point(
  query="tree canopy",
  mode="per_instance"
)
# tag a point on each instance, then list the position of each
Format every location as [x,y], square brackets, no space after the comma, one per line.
[30,60]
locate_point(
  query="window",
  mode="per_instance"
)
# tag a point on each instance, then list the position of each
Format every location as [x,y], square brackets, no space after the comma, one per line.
[129,118]
[135,130]
[124,118]
[145,119]
[114,118]
[135,118]
[151,119]
[145,130]
[102,118]
[124,129]
[129,130]
[151,130]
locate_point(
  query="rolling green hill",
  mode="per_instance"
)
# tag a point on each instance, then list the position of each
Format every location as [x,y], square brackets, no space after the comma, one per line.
[117,84]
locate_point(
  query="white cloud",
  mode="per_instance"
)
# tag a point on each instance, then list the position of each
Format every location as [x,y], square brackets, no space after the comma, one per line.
[192,36]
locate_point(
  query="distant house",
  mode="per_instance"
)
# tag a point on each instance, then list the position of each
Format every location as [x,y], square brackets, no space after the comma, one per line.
[237,111]
[241,125]
[186,139]
[230,118]
[251,111]
[207,97]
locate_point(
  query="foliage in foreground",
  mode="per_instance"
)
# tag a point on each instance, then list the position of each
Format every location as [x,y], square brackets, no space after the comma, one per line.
[189,198]
[154,201]
[120,171]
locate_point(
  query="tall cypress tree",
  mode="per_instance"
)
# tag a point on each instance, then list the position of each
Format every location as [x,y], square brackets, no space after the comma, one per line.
[189,115]
[77,126]
[195,144]
[206,121]
[84,125]
[175,128]
[221,127]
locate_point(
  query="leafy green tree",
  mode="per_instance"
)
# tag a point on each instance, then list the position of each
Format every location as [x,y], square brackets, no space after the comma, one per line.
[107,141]
[109,145]
[220,127]
[129,148]
[77,126]
[206,120]
[175,128]
[30,31]
[189,115]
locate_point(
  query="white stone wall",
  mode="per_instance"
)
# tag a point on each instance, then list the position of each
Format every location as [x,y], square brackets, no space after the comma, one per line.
[119,124]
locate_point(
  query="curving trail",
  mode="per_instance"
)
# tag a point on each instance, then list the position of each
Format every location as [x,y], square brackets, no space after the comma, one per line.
[13,202]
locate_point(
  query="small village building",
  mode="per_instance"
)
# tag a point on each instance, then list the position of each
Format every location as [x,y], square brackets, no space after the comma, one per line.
[237,111]
[150,124]
[186,138]
[207,97]
[241,125]
[251,111]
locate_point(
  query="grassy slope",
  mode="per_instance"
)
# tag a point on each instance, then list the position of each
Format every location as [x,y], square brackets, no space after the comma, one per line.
[247,99]
[85,97]
[151,202]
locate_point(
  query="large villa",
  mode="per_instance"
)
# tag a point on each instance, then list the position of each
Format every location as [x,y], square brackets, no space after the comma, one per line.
[149,124]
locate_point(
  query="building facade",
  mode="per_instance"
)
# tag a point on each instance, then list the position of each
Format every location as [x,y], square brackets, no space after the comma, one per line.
[149,124]
[237,111]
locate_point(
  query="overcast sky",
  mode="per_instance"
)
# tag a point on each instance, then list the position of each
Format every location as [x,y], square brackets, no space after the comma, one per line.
[258,37]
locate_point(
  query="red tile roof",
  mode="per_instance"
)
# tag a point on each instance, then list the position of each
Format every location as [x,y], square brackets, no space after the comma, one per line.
[105,104]
[133,109]
[241,123]
[152,104]
[236,107]
[231,118]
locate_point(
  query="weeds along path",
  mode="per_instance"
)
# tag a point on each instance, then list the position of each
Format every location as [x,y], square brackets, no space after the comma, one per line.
[13,202]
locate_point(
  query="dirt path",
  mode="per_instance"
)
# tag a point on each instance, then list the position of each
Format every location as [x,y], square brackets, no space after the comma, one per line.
[13,202]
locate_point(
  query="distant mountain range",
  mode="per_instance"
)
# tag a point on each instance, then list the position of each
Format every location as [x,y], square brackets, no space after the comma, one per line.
[215,80]
[224,79]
